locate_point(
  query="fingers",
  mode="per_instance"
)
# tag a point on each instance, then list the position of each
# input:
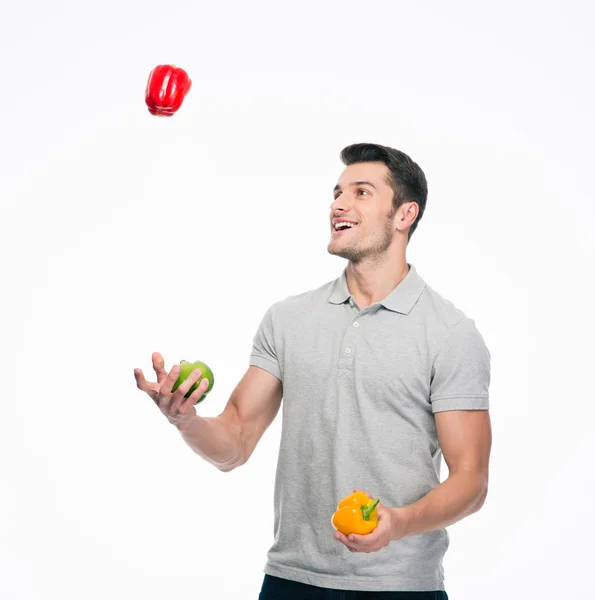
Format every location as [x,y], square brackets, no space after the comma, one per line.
[168,383]
[355,542]
[188,403]
[159,367]
[172,404]
[179,400]
[343,538]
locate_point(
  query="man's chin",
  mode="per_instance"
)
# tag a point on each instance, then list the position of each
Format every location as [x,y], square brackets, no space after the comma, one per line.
[337,252]
[331,249]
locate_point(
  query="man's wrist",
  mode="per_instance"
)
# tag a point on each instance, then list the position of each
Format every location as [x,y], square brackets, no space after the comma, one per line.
[402,520]
[184,424]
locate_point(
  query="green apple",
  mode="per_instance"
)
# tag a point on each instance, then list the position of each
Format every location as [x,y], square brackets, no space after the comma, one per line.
[185,369]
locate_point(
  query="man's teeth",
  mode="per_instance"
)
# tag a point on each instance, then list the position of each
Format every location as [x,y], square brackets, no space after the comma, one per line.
[343,225]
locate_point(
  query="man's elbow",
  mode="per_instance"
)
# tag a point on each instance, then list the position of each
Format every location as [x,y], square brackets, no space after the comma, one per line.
[227,468]
[237,461]
[482,498]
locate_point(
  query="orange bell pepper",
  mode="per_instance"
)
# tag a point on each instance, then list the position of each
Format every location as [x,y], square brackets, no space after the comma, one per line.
[356,513]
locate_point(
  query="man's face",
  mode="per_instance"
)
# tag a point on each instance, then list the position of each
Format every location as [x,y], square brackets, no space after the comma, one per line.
[369,205]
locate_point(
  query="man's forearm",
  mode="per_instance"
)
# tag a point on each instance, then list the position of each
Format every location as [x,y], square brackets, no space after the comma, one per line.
[460,495]
[214,442]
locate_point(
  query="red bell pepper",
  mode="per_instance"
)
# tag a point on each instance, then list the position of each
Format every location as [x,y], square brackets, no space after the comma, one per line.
[166,89]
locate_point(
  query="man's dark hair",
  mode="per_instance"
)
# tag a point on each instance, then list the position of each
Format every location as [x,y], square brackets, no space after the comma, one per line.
[406,178]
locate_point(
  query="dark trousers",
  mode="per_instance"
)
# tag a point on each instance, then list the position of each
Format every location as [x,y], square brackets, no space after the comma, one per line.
[275,588]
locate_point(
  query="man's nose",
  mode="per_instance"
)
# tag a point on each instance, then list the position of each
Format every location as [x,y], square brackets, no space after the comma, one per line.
[339,205]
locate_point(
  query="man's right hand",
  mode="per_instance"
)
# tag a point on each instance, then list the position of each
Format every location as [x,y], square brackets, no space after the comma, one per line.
[178,410]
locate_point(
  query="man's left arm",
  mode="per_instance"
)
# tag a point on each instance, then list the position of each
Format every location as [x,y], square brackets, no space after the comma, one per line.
[465,437]
[459,397]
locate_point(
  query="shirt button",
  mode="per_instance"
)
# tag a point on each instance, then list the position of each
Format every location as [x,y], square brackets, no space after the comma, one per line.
[355,324]
[351,301]
[347,350]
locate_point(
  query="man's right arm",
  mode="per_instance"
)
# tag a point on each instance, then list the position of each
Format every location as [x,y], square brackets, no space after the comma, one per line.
[228,440]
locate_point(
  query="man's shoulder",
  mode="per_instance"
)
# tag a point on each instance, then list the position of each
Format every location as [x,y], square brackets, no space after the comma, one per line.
[304,301]
[444,320]
[440,310]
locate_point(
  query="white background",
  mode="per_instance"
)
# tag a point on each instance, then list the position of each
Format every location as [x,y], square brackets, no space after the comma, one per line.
[123,234]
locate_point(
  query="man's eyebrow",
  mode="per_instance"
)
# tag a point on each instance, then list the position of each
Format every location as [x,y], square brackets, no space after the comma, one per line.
[338,187]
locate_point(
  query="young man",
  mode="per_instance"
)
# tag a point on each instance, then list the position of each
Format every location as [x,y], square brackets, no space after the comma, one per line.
[379,376]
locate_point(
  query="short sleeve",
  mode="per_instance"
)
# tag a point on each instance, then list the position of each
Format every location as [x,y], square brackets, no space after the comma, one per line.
[264,354]
[461,371]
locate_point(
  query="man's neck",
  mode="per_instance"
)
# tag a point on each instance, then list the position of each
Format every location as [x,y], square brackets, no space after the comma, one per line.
[372,281]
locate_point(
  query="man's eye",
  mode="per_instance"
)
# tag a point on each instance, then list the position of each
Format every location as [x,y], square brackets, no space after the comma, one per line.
[359,190]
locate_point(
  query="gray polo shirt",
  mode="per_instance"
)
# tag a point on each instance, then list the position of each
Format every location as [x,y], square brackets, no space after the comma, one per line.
[360,389]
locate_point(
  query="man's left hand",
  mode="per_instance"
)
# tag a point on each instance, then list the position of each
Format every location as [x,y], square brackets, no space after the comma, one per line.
[390,527]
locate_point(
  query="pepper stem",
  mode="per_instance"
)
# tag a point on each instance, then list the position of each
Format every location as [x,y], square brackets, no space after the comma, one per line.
[367,510]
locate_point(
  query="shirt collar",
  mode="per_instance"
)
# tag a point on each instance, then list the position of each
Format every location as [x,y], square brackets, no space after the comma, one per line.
[402,298]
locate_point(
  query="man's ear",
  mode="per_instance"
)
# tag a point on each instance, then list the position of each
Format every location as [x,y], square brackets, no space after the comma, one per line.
[406,215]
